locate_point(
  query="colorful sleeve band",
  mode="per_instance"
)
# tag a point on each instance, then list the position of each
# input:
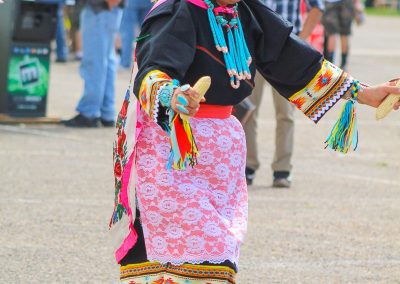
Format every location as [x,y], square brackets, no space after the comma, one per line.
[322,92]
[151,85]
[328,86]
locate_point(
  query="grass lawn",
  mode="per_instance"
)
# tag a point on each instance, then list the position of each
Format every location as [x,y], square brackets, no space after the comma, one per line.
[382,11]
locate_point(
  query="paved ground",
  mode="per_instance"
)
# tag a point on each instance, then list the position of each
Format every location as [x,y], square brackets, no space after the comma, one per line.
[340,223]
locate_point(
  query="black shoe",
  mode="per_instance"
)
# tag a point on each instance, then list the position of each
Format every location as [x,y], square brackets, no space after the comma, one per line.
[250,175]
[82,121]
[107,123]
[282,179]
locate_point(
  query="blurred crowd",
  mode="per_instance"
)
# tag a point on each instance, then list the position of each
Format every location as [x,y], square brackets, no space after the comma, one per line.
[68,37]
[101,33]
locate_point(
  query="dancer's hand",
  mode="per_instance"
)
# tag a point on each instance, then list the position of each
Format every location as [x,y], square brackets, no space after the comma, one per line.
[185,100]
[373,96]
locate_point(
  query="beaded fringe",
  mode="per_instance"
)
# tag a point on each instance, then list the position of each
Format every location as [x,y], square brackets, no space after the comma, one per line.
[344,134]
[236,56]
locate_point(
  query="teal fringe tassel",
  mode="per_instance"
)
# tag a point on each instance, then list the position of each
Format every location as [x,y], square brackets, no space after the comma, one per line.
[344,134]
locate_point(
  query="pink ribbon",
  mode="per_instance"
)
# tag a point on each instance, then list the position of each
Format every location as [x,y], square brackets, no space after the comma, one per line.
[221,9]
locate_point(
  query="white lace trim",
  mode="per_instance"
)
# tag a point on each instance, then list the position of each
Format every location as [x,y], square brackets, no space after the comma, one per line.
[156,107]
[157,103]
[186,259]
[165,260]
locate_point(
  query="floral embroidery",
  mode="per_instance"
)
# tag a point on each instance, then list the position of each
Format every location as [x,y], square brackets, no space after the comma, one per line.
[322,92]
[120,159]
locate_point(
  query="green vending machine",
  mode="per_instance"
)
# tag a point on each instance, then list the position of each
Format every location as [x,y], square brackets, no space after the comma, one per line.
[28,79]
[24,76]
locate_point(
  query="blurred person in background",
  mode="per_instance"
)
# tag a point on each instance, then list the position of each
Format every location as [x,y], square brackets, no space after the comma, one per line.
[337,21]
[100,22]
[61,37]
[284,111]
[133,16]
[75,34]
[316,38]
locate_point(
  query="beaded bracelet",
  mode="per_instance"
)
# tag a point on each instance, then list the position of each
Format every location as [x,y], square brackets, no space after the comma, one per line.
[165,93]
[352,94]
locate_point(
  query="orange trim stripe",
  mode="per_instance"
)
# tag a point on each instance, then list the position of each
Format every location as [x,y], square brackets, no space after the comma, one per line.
[210,54]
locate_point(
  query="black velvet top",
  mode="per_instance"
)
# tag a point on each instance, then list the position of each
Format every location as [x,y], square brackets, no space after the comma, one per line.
[177,40]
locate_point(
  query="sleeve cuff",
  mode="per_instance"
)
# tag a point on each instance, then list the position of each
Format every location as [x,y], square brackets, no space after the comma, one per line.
[151,85]
[327,87]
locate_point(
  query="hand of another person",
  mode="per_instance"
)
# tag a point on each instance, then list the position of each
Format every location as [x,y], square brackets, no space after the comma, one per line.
[113,3]
[185,100]
[373,96]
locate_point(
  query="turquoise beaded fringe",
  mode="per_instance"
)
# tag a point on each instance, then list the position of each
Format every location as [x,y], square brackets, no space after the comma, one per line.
[236,53]
[344,134]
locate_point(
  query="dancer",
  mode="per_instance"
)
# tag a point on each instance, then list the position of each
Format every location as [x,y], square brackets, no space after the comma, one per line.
[181,216]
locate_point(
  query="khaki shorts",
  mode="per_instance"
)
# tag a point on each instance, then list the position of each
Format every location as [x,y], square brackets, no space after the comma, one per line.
[338,17]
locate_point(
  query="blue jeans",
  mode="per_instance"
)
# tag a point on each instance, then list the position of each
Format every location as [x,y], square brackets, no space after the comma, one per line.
[133,16]
[61,40]
[98,66]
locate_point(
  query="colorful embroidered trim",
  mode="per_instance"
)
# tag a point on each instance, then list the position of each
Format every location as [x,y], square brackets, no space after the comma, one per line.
[154,272]
[120,158]
[121,224]
[322,92]
[344,134]
[150,87]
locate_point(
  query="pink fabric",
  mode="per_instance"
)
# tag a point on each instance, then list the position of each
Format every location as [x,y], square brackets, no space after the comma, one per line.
[128,243]
[156,5]
[131,238]
[220,9]
[199,3]
[198,214]
[128,167]
[125,182]
[225,10]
